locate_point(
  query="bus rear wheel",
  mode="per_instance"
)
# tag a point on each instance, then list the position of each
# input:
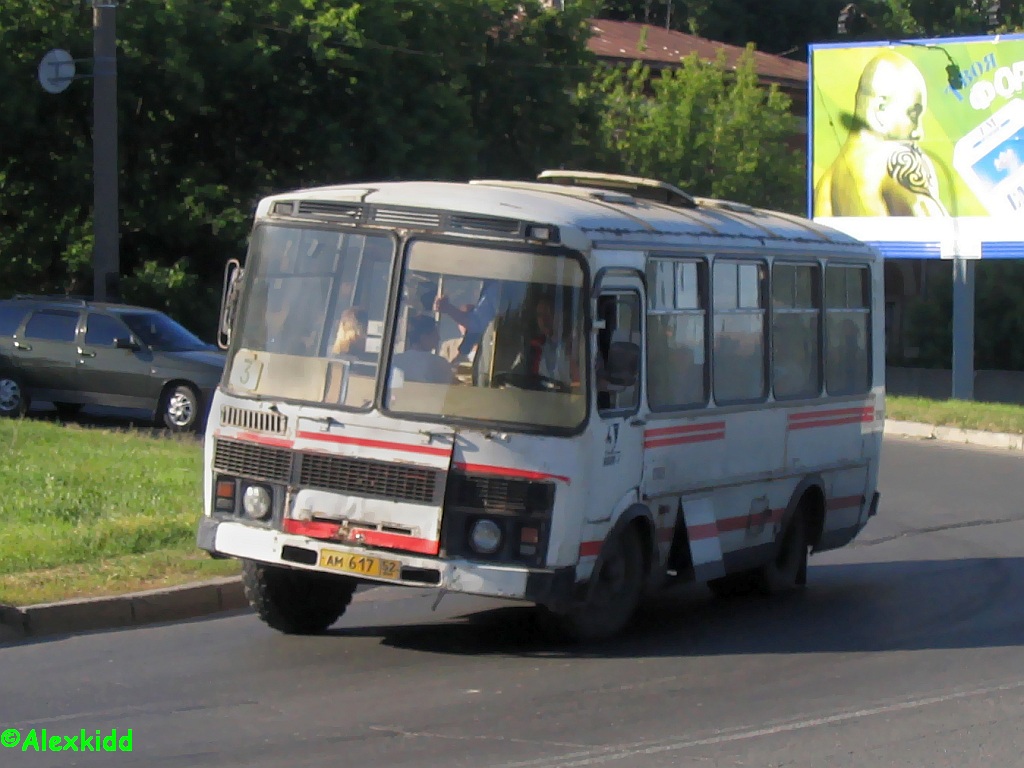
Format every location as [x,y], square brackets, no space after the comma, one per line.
[295,602]
[612,595]
[787,571]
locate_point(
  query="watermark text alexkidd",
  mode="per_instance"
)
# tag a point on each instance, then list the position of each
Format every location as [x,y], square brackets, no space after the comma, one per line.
[40,740]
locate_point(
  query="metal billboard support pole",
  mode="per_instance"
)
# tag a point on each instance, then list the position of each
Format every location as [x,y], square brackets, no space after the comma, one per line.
[963,328]
[106,261]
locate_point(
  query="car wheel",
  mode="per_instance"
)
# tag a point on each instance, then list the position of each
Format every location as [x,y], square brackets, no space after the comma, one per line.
[179,409]
[14,399]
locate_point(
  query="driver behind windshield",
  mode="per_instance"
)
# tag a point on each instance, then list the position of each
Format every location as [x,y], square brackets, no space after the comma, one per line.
[545,353]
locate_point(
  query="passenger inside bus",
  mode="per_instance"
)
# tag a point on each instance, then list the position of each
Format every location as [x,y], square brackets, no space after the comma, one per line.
[451,349]
[350,338]
[419,362]
[472,321]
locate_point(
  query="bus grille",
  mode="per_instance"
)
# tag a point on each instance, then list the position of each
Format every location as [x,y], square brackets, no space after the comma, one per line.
[498,494]
[364,477]
[340,474]
[252,460]
[257,421]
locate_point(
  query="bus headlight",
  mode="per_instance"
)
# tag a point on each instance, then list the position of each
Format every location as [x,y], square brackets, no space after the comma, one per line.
[256,502]
[485,537]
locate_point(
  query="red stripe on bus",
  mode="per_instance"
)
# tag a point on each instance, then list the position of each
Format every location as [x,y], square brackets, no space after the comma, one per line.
[252,437]
[866,410]
[384,444]
[703,438]
[396,541]
[711,425]
[522,474]
[317,529]
[312,528]
[590,548]
[703,531]
[845,502]
[829,423]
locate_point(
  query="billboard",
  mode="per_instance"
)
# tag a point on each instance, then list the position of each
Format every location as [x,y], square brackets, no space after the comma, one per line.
[918,145]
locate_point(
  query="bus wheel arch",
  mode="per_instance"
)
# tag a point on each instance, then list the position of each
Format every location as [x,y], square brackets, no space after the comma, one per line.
[605,603]
[801,527]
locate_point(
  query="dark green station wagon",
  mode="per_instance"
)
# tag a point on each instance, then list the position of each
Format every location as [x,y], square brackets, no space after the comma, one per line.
[72,353]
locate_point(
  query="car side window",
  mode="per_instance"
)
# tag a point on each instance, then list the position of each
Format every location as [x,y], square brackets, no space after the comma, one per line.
[11,316]
[52,325]
[103,330]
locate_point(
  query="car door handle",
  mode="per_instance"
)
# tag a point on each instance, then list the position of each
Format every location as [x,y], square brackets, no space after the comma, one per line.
[83,353]
[23,347]
[637,422]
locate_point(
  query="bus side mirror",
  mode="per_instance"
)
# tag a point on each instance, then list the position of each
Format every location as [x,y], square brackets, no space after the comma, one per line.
[233,274]
[623,367]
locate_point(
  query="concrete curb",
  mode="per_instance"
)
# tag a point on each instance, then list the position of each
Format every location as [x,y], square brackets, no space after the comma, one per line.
[208,598]
[1002,440]
[188,601]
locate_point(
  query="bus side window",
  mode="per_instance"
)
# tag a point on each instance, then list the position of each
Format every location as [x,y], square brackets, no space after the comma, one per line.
[621,316]
[676,334]
[847,329]
[740,330]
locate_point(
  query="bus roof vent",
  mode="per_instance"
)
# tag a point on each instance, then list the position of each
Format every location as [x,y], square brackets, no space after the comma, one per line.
[490,224]
[637,186]
[726,205]
[410,217]
[351,211]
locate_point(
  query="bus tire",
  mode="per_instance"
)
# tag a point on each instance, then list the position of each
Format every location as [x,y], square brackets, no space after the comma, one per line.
[295,602]
[787,571]
[612,595]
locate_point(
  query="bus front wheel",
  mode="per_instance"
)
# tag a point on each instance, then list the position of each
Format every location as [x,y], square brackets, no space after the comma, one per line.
[295,602]
[612,595]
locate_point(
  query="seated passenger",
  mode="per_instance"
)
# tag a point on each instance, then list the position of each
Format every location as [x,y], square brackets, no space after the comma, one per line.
[419,362]
[351,335]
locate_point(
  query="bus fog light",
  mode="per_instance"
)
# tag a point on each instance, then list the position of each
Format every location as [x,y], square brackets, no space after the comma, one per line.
[485,537]
[256,502]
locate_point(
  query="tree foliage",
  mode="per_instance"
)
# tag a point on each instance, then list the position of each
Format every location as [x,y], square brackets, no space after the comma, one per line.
[713,131]
[222,102]
[786,27]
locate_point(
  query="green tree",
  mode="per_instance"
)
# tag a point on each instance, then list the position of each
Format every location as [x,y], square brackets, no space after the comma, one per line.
[221,102]
[713,131]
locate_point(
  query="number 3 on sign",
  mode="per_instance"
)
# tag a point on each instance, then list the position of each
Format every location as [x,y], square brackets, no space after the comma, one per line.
[245,373]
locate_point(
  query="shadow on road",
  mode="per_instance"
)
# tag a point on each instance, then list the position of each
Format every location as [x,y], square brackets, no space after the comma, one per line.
[931,604]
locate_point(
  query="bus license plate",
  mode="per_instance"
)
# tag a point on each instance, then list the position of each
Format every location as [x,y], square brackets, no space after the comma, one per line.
[360,565]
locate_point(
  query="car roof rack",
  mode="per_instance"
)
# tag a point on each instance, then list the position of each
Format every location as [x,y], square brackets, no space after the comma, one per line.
[79,300]
[638,186]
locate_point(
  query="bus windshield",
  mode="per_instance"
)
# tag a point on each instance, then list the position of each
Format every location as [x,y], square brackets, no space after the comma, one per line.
[482,333]
[489,334]
[312,318]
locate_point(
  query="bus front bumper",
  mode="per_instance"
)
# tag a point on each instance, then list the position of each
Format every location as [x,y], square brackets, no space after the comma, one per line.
[548,586]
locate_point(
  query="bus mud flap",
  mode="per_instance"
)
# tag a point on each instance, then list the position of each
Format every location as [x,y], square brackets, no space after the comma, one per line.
[702,533]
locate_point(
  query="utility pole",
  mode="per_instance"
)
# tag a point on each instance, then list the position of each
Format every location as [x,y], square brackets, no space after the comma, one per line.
[106,216]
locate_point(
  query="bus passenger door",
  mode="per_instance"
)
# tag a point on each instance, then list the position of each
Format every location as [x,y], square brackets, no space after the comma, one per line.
[620,423]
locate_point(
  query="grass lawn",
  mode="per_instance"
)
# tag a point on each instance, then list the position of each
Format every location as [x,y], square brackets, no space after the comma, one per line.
[88,511]
[95,511]
[992,417]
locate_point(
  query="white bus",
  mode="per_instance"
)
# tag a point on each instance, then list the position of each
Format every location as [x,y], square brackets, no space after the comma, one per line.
[566,391]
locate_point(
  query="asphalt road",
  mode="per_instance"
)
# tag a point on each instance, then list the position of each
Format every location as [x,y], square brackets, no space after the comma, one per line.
[905,650]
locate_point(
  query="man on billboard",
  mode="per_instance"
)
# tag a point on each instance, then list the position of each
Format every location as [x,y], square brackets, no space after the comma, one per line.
[880,169]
